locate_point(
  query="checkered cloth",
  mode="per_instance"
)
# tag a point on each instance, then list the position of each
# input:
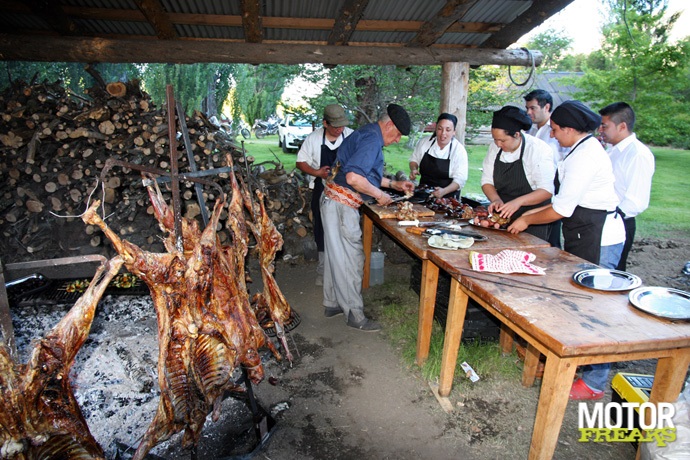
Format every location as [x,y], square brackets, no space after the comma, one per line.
[506,261]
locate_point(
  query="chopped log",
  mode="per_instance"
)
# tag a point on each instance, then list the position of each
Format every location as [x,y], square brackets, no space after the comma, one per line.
[116,89]
[34,206]
[301,231]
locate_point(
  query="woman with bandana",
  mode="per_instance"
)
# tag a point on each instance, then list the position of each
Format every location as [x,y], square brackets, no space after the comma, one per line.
[518,170]
[441,160]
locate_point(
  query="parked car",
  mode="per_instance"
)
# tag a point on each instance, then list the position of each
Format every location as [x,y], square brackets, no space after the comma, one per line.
[292,132]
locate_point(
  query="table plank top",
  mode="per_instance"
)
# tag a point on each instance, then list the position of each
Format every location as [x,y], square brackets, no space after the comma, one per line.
[419,246]
[579,321]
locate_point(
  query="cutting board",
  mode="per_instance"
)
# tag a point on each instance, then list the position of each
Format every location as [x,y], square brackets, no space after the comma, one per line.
[388,212]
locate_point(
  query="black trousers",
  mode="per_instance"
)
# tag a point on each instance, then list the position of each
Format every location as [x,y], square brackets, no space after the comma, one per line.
[629,237]
[555,234]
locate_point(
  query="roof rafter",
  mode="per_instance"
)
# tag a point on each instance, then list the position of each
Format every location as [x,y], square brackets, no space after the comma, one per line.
[252,21]
[346,22]
[531,18]
[432,30]
[158,18]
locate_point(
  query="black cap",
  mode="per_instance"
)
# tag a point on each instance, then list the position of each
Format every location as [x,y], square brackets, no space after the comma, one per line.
[448,116]
[400,118]
[574,114]
[511,118]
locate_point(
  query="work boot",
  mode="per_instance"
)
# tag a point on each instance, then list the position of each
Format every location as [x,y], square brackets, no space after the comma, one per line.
[365,324]
[319,269]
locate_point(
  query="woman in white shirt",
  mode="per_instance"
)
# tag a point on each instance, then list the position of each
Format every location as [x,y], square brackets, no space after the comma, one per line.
[518,170]
[441,160]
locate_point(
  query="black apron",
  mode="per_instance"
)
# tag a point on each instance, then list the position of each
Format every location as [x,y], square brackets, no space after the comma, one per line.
[511,182]
[327,159]
[435,172]
[582,231]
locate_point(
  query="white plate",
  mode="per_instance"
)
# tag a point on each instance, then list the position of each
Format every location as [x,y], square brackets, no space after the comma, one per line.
[603,279]
[662,301]
[447,241]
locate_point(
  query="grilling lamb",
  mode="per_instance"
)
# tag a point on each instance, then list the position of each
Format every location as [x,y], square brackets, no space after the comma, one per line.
[39,415]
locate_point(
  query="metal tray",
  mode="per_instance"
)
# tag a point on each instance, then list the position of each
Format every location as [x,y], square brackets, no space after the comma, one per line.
[662,301]
[603,279]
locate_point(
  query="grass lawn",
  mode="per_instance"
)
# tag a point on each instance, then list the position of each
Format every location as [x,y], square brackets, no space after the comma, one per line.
[669,210]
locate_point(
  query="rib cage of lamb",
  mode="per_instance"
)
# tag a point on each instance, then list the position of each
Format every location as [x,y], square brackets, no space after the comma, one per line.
[207,325]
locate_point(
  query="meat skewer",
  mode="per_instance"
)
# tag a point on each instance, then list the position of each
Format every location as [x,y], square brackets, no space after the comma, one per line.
[39,415]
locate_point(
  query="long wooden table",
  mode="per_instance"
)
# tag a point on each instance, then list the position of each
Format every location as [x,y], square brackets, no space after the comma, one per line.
[585,327]
[417,246]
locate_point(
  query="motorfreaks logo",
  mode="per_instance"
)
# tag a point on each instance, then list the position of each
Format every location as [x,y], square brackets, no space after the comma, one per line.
[615,422]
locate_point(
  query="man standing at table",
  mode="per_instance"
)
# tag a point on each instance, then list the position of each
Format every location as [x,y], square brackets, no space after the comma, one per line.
[633,167]
[358,176]
[315,157]
[539,105]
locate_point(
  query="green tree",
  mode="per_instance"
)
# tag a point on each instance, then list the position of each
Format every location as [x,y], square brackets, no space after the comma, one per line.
[639,65]
[553,44]
[258,89]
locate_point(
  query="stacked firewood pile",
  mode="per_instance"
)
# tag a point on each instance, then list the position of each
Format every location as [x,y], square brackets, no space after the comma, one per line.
[54,145]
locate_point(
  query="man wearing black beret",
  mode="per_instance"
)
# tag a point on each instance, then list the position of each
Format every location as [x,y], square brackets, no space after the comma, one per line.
[359,176]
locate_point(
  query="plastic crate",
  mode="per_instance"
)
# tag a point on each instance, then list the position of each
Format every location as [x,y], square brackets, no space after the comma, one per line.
[634,388]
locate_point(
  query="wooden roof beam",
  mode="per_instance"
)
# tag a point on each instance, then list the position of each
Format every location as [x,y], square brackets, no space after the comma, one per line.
[452,11]
[81,49]
[52,13]
[531,18]
[346,23]
[156,15]
[251,21]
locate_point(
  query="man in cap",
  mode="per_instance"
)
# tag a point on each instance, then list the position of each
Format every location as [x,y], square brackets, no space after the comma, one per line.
[315,157]
[359,176]
[539,105]
[633,167]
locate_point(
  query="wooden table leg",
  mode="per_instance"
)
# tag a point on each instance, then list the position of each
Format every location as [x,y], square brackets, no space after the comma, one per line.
[367,238]
[506,339]
[529,372]
[553,399]
[457,307]
[427,302]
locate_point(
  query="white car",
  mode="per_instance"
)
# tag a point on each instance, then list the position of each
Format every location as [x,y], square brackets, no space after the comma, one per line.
[292,132]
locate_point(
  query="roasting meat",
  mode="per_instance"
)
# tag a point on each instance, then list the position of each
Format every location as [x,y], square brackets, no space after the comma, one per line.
[207,327]
[39,415]
[270,241]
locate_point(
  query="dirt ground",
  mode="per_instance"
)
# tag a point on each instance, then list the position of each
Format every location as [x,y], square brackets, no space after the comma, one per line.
[361,401]
[348,394]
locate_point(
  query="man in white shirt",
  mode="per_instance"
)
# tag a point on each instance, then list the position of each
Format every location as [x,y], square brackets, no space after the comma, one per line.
[633,167]
[539,105]
[315,157]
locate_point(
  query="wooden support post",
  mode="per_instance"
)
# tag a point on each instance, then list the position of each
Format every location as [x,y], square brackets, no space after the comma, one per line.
[454,85]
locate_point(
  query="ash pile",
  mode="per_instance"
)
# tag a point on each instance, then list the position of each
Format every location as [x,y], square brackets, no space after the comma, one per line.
[55,144]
